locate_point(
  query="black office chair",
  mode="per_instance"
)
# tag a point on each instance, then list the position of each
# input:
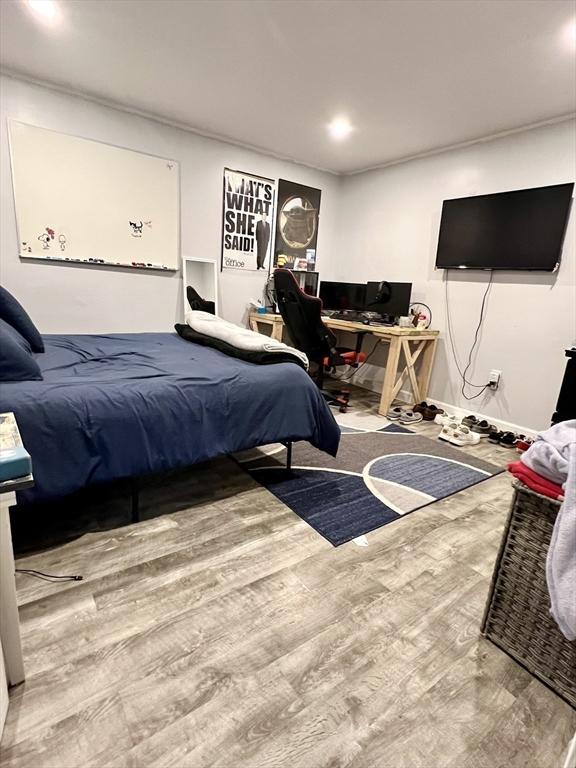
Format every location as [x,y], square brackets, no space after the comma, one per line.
[302,317]
[198,303]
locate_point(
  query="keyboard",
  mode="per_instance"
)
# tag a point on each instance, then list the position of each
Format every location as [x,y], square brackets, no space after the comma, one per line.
[351,317]
[381,324]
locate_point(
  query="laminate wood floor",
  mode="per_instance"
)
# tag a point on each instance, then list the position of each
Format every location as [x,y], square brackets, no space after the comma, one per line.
[223,632]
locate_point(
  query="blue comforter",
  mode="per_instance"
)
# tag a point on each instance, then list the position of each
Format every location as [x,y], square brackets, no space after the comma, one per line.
[124,405]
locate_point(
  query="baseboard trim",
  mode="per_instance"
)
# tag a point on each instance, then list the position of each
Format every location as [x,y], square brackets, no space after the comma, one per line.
[506,426]
[406,396]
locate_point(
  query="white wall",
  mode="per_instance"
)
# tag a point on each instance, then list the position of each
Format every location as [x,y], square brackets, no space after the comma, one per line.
[376,225]
[68,299]
[388,229]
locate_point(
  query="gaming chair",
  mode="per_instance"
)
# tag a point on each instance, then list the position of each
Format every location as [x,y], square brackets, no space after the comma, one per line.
[302,317]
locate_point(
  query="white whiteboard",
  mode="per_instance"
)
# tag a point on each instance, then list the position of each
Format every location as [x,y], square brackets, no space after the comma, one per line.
[82,201]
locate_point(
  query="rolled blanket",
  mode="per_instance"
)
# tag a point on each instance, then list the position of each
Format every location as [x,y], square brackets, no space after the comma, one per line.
[241,338]
[548,454]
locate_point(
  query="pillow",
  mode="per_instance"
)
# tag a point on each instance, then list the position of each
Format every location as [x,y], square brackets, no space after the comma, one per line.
[15,315]
[16,361]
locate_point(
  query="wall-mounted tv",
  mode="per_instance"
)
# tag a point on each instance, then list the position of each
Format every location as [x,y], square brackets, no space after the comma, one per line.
[523,229]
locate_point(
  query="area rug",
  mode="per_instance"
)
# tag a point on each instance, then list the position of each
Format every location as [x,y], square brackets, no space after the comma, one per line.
[383,472]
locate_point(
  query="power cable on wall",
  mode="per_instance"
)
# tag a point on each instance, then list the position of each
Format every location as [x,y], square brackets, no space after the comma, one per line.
[355,370]
[465,382]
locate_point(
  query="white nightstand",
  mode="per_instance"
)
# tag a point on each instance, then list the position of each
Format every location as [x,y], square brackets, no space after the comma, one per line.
[11,660]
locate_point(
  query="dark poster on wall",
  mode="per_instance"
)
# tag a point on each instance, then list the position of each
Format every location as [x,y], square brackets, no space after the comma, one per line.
[297,217]
[247,216]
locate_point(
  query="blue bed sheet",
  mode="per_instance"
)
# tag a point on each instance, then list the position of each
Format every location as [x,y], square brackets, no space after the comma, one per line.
[123,405]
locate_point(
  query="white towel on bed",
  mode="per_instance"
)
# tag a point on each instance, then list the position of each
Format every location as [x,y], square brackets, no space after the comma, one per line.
[241,338]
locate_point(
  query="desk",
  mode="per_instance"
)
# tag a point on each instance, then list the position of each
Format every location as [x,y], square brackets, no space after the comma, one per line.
[399,340]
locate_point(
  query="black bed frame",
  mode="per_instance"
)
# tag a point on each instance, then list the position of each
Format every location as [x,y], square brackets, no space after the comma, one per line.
[135,490]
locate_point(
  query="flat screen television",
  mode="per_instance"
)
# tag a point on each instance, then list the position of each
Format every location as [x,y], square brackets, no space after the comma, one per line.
[523,229]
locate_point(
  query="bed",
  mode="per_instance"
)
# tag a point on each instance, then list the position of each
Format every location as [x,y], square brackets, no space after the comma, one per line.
[126,405]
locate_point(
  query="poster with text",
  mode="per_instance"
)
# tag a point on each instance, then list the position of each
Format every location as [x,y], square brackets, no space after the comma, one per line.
[247,216]
[297,218]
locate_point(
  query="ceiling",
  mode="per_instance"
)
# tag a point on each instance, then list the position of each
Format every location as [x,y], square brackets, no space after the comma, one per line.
[413,76]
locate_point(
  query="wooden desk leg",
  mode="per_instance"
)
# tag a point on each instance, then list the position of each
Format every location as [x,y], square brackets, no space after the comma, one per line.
[254,324]
[9,621]
[426,368]
[277,328]
[390,375]
[411,372]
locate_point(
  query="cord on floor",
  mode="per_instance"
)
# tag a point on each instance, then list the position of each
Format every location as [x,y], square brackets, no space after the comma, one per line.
[47,576]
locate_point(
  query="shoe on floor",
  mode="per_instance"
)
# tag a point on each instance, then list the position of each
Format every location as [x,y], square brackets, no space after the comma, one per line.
[410,417]
[523,443]
[495,435]
[482,428]
[508,440]
[420,408]
[464,436]
[431,412]
[448,430]
[394,413]
[445,418]
[470,420]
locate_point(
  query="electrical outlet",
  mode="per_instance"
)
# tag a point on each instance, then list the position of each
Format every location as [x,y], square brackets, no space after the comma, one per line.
[494,379]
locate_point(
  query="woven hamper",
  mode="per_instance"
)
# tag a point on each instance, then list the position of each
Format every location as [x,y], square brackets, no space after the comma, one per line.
[517,617]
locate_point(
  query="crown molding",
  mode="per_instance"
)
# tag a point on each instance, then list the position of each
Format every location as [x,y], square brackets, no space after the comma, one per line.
[186,127]
[463,144]
[162,120]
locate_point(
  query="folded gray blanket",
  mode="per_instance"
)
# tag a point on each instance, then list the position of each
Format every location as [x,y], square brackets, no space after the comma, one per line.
[553,455]
[548,456]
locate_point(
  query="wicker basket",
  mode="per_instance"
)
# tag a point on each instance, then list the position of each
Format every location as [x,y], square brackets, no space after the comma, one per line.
[517,617]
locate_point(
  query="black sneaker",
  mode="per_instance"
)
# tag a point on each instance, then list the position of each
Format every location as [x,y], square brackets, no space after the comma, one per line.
[508,440]
[495,435]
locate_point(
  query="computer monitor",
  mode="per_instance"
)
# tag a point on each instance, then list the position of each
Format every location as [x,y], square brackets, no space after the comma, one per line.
[343,296]
[307,281]
[392,299]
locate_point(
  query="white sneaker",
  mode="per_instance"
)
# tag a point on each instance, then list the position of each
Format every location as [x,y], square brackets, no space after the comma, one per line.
[445,418]
[464,436]
[447,431]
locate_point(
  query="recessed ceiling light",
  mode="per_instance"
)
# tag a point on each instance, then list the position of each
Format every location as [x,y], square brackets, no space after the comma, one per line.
[340,128]
[46,11]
